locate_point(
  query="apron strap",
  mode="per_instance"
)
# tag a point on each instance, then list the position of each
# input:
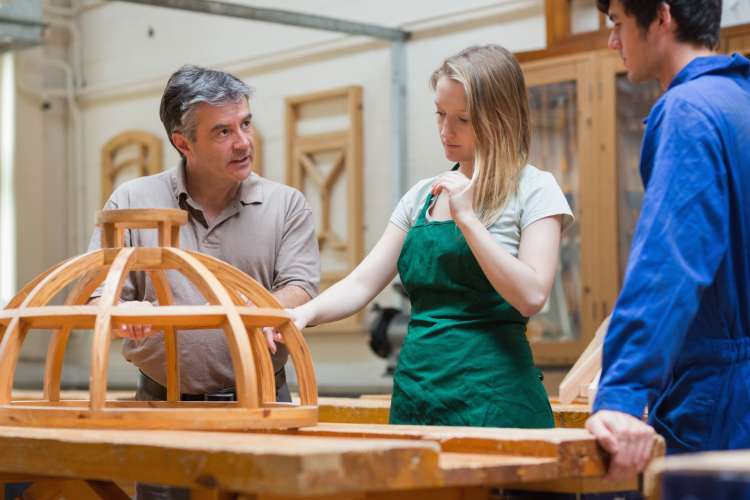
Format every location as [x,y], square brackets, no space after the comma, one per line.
[422,218]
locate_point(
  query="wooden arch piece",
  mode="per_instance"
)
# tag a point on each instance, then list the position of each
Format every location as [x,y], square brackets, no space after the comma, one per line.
[147,160]
[230,294]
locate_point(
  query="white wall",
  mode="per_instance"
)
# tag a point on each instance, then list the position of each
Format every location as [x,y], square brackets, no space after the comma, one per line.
[735,12]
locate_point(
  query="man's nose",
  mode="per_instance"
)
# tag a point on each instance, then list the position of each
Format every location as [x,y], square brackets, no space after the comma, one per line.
[614,41]
[242,140]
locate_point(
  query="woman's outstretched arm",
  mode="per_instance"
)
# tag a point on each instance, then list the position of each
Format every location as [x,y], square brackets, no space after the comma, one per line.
[359,287]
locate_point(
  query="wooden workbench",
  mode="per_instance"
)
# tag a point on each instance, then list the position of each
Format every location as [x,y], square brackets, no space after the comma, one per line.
[342,461]
[361,459]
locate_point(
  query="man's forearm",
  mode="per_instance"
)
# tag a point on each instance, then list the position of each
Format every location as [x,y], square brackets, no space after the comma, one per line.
[291,296]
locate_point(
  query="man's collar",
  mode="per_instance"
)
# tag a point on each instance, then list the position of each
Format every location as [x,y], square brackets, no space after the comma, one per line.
[251,189]
[710,64]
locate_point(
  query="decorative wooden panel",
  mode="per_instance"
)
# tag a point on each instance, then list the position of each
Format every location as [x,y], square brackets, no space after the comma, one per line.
[258,151]
[132,149]
[317,163]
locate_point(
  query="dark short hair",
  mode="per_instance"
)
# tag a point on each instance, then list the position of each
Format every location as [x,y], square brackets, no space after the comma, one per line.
[191,85]
[698,21]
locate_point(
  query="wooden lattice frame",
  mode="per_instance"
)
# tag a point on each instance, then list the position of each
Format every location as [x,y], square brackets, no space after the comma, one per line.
[148,161]
[347,144]
[227,291]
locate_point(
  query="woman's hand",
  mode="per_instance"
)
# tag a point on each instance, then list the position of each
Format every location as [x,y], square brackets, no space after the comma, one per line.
[460,192]
[301,316]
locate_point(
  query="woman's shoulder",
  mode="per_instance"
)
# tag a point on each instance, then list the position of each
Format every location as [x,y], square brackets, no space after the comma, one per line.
[540,195]
[531,175]
[419,190]
[533,179]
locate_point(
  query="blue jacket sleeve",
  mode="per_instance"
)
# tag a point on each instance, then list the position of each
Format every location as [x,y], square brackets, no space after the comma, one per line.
[679,242]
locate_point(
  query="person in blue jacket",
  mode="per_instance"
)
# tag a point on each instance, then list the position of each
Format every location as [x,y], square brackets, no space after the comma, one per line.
[679,336]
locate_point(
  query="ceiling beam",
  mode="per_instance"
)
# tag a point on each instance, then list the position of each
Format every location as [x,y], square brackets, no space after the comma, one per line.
[278,16]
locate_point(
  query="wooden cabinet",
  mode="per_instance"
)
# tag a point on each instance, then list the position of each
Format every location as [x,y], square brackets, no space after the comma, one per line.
[561,106]
[587,127]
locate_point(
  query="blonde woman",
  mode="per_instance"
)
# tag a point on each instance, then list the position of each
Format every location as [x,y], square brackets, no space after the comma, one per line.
[476,249]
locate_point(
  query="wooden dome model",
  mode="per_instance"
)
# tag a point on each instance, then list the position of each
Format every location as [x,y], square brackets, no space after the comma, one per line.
[227,291]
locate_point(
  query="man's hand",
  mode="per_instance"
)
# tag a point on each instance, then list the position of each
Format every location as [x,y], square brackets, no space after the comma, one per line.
[134,332]
[272,336]
[629,440]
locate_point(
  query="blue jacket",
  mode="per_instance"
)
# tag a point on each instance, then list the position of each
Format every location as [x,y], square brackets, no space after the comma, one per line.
[679,338]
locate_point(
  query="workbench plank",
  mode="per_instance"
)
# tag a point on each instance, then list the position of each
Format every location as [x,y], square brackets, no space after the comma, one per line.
[576,451]
[375,410]
[237,462]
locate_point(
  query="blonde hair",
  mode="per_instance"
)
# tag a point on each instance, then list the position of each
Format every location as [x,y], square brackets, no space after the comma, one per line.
[498,108]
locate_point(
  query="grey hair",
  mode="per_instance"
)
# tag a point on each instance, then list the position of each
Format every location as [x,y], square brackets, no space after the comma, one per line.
[191,85]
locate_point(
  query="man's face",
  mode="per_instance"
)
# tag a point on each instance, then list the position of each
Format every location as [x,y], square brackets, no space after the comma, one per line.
[223,144]
[636,46]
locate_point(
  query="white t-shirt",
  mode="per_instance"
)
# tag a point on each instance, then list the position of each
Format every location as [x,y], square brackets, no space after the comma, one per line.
[538,196]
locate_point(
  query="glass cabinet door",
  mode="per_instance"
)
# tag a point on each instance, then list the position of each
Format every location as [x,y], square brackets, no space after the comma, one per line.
[559,107]
[632,104]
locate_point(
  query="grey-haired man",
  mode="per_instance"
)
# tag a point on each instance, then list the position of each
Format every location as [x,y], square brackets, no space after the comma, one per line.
[262,227]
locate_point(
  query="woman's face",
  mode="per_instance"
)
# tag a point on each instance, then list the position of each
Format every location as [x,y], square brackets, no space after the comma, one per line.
[454,125]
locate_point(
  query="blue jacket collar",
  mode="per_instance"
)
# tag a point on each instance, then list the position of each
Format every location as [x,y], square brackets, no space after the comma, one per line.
[711,64]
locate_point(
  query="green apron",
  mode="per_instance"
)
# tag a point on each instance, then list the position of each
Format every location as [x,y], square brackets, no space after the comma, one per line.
[465,360]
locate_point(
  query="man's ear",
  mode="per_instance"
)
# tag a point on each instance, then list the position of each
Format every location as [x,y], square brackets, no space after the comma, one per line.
[181,143]
[664,16]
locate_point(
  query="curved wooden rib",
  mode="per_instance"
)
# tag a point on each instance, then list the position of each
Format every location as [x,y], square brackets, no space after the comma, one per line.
[239,346]
[237,281]
[63,276]
[164,296]
[102,330]
[45,289]
[298,350]
[263,364]
[79,295]
[24,292]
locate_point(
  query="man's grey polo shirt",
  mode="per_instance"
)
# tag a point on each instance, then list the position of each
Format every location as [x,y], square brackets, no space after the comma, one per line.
[267,232]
